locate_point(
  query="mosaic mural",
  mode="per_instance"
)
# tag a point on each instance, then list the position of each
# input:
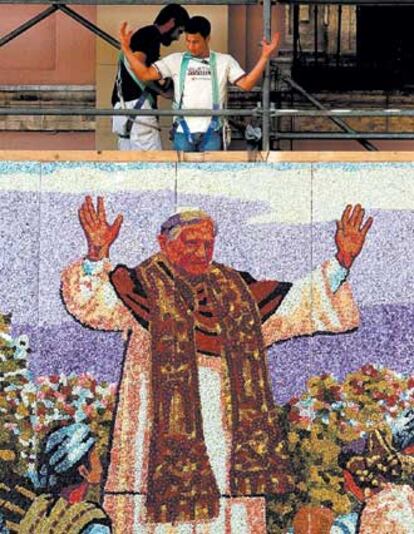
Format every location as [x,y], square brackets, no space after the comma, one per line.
[206,348]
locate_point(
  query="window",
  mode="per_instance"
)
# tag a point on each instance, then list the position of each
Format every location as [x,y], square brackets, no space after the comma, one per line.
[352,47]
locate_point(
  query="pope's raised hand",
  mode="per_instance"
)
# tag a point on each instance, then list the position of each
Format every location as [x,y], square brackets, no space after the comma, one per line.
[98,232]
[351,231]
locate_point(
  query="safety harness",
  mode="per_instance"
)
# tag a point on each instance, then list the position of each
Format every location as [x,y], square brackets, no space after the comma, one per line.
[145,94]
[215,123]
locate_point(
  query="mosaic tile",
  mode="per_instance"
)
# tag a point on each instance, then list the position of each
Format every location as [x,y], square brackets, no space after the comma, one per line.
[381,276]
[19,237]
[163,367]
[144,194]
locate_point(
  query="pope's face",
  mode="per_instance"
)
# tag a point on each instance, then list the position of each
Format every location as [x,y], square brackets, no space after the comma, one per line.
[191,251]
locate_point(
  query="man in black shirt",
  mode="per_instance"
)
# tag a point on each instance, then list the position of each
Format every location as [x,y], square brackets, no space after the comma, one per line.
[143,132]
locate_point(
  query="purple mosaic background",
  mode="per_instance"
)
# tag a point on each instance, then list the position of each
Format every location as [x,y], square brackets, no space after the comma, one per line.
[382,281]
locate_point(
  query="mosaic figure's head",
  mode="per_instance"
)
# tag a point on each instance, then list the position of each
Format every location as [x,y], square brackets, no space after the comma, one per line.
[68,457]
[187,240]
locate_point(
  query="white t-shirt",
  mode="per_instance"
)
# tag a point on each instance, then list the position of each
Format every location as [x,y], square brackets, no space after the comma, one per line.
[198,88]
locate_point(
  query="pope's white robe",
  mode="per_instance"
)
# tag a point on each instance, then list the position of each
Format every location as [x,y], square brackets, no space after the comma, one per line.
[313,304]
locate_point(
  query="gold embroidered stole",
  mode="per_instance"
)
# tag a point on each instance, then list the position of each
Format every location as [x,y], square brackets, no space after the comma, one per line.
[181,484]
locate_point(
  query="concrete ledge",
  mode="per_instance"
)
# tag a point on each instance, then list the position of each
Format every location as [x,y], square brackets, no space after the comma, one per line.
[207,157]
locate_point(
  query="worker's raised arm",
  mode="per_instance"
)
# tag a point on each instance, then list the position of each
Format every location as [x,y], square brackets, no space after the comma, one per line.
[141,71]
[248,81]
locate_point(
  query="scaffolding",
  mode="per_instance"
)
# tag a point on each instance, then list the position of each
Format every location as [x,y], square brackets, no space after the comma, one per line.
[265,112]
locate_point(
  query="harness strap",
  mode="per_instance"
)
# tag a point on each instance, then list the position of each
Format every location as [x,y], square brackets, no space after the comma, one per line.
[145,94]
[215,121]
[141,85]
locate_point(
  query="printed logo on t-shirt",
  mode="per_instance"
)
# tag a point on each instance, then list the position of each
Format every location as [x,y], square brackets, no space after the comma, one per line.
[200,71]
[198,94]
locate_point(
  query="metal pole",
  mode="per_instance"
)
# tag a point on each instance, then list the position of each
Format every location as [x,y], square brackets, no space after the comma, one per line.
[338,35]
[267,15]
[131,2]
[339,122]
[295,33]
[315,33]
[247,112]
[89,25]
[27,25]
[348,112]
[35,111]
[349,2]
[348,136]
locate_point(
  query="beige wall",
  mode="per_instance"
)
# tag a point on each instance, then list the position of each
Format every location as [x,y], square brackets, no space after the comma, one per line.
[246,31]
[109,19]
[56,51]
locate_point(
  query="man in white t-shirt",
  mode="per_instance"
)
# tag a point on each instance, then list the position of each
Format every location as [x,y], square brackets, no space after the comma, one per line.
[200,82]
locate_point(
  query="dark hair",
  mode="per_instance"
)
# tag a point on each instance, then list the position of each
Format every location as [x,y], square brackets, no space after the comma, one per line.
[173,11]
[198,25]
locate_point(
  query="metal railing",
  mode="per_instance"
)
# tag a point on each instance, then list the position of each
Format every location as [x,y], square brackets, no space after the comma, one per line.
[265,113]
[60,5]
[351,2]
[257,112]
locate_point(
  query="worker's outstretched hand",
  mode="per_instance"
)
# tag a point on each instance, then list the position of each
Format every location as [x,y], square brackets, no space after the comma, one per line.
[98,232]
[125,35]
[351,231]
[269,48]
